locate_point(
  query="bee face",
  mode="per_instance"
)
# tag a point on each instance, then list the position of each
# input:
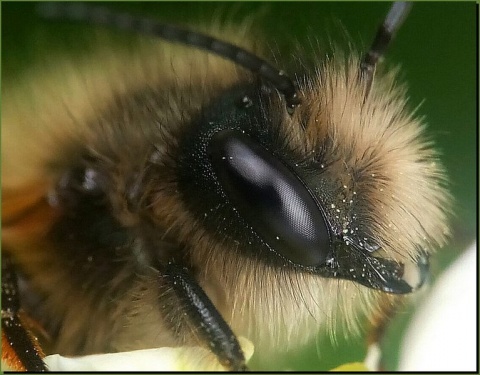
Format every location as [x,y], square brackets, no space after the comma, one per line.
[180,156]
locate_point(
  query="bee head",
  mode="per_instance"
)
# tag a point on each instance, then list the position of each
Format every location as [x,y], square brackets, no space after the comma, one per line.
[248,177]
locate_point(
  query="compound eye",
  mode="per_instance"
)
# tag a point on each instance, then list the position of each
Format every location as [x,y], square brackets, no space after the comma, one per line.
[271,198]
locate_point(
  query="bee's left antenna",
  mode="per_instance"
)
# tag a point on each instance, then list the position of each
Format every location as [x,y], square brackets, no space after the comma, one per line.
[124,21]
[387,30]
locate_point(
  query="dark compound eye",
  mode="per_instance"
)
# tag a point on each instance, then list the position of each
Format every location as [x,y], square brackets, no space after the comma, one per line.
[271,198]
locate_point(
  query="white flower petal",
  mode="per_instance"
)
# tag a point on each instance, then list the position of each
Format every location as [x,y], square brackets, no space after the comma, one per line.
[442,334]
[159,359]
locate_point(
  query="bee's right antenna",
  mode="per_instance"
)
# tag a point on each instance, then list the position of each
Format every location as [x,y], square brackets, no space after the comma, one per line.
[104,17]
[394,19]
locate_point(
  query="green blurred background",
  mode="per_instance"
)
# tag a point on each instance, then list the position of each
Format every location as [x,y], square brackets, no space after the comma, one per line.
[436,47]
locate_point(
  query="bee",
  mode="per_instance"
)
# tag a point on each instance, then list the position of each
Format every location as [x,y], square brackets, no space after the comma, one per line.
[188,191]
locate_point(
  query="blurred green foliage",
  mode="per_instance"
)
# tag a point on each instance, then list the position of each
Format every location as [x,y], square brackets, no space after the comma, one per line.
[436,47]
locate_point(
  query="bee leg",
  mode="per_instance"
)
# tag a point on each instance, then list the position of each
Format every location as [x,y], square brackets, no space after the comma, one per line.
[20,351]
[379,322]
[202,313]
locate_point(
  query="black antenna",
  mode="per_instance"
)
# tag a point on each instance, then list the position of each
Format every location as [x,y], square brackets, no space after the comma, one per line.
[101,16]
[394,19]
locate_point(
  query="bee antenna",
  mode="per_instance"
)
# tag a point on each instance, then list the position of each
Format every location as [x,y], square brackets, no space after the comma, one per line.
[104,17]
[394,19]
